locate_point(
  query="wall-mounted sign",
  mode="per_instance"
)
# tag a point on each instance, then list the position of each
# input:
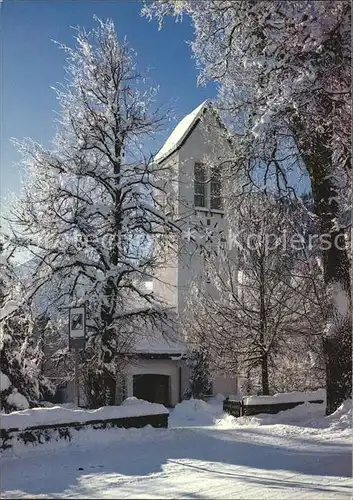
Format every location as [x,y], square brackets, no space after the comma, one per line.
[77,327]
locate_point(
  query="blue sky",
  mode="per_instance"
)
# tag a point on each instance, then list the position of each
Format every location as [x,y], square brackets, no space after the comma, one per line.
[31,63]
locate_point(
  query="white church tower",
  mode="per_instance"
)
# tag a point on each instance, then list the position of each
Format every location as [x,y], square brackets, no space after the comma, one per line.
[191,157]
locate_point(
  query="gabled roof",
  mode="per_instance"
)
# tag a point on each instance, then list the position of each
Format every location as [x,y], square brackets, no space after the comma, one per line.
[164,338]
[159,345]
[180,133]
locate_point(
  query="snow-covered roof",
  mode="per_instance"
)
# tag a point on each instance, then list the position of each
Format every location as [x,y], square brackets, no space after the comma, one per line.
[165,338]
[180,133]
[159,346]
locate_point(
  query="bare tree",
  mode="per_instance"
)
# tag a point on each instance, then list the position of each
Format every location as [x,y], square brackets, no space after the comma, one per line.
[88,215]
[257,307]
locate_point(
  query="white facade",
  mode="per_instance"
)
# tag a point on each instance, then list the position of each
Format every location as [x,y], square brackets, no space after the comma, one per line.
[198,138]
[199,141]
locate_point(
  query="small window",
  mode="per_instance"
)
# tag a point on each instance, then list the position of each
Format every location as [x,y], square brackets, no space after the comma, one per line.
[199,185]
[215,191]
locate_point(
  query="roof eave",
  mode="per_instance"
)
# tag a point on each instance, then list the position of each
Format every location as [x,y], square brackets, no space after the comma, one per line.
[180,145]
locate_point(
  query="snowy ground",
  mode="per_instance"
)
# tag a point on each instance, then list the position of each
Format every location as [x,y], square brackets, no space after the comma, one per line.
[204,454]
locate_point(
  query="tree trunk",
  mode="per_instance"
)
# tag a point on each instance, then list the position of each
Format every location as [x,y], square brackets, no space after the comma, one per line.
[264,375]
[337,340]
[119,389]
[337,337]
[109,333]
[264,358]
[338,362]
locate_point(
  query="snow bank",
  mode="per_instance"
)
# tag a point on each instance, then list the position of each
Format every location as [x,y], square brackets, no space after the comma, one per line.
[59,415]
[305,416]
[287,397]
[133,401]
[341,419]
[195,412]
[299,415]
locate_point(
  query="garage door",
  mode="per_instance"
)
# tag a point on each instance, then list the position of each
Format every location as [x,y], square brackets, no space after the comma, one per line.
[153,388]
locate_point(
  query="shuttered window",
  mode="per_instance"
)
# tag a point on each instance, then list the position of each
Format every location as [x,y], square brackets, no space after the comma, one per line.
[199,185]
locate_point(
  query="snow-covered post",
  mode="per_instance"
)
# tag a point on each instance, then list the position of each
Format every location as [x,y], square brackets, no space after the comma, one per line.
[77,340]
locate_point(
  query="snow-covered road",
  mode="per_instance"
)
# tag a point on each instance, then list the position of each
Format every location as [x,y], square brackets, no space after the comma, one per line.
[208,459]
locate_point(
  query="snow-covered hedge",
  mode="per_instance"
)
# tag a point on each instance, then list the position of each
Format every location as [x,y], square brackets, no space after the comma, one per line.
[286,397]
[39,425]
[254,405]
[38,417]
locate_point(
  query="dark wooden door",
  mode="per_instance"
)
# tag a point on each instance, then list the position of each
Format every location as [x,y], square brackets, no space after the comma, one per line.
[153,388]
